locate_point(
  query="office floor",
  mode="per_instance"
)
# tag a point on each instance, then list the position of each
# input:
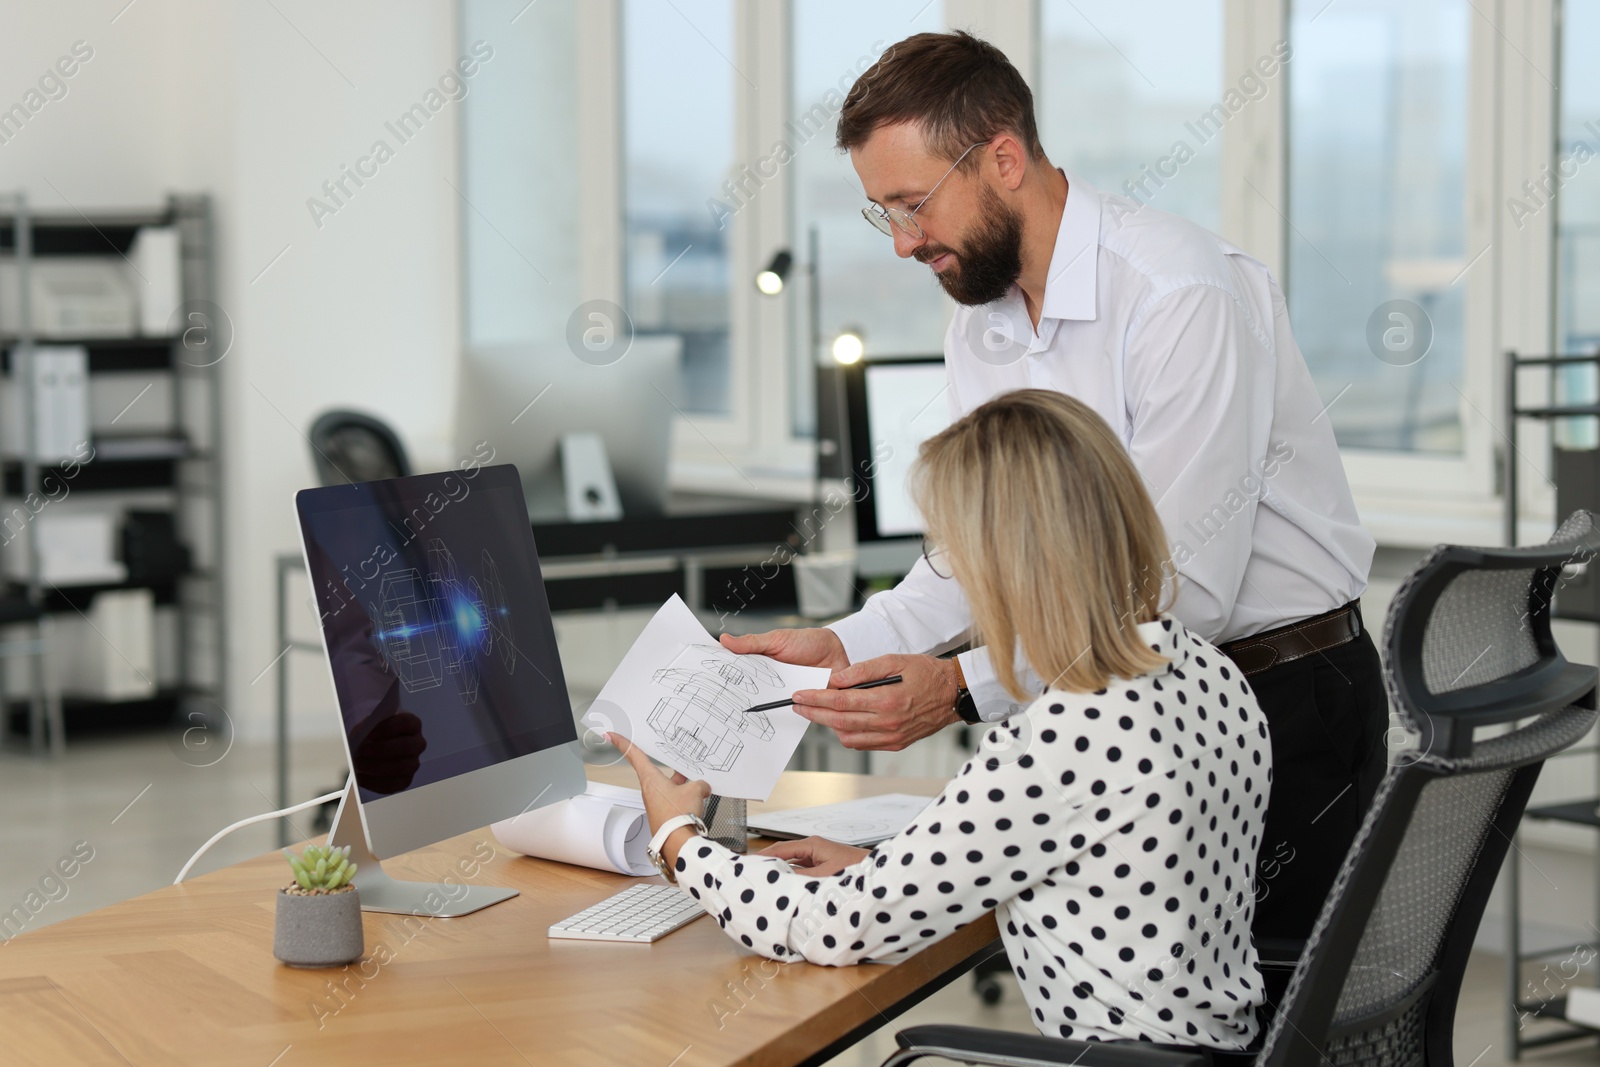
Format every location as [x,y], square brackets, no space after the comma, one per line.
[143,806]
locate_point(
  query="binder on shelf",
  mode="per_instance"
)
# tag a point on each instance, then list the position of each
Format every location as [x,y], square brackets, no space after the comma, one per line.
[157,277]
[60,388]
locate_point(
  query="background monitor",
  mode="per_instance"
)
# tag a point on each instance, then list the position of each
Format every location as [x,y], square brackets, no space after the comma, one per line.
[443,654]
[896,403]
[523,399]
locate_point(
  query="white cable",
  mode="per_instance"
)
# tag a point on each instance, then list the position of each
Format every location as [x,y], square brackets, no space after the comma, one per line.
[220,834]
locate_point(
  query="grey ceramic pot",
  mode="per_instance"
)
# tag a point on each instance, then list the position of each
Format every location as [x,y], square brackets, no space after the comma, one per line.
[318,930]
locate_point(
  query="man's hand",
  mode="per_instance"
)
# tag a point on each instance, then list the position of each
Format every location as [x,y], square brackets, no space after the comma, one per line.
[889,717]
[816,856]
[813,647]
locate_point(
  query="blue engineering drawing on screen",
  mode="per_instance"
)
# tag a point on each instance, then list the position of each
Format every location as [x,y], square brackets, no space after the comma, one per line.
[434,626]
[702,717]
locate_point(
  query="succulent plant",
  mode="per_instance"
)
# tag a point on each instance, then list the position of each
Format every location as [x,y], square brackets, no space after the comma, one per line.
[321,867]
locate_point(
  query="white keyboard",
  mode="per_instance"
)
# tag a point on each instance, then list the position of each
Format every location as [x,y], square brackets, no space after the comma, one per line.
[640,913]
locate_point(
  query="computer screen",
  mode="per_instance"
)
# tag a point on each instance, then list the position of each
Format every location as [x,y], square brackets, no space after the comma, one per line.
[894,407]
[904,408]
[438,631]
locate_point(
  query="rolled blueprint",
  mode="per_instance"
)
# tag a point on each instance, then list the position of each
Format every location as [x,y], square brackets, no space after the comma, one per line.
[603,828]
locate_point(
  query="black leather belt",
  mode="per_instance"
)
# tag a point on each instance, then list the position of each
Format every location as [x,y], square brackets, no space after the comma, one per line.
[1263,651]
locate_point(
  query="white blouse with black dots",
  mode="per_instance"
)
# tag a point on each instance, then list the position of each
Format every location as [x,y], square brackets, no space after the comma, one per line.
[1114,836]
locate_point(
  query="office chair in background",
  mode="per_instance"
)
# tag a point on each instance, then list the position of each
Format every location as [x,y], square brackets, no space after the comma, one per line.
[347,446]
[1467,644]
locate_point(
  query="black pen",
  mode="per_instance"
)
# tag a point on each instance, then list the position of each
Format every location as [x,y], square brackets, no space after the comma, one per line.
[891,680]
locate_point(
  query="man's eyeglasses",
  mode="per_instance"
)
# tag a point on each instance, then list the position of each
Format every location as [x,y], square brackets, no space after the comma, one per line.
[886,219]
[938,560]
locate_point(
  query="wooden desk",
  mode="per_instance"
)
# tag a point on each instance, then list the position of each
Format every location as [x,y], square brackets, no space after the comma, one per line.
[185,975]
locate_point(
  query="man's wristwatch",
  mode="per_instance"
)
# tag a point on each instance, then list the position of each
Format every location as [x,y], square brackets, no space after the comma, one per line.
[659,840]
[966,707]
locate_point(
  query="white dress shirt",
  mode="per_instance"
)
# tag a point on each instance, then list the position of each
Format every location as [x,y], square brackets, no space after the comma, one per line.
[1181,342]
[1113,833]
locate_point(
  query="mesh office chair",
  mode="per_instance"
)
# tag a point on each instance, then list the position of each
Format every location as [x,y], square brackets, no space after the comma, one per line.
[1468,645]
[347,446]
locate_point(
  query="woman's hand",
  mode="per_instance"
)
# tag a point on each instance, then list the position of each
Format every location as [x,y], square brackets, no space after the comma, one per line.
[664,797]
[816,856]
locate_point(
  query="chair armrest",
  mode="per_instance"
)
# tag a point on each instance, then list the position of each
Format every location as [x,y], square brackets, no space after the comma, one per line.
[1001,1048]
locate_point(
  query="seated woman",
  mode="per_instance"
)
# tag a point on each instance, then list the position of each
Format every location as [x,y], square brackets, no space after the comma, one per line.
[1113,831]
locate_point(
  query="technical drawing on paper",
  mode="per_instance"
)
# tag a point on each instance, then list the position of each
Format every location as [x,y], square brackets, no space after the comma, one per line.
[703,716]
[433,626]
[688,696]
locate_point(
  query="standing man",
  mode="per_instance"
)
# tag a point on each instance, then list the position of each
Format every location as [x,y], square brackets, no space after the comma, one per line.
[1181,342]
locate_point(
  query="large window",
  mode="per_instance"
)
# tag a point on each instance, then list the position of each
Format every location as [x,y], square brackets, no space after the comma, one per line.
[1125,97]
[898,307]
[1377,252]
[679,79]
[519,212]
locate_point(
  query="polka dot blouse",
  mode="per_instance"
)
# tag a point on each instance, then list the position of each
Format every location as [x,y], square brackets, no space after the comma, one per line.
[1113,833]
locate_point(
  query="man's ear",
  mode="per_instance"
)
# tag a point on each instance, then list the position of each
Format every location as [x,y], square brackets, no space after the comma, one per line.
[1011,160]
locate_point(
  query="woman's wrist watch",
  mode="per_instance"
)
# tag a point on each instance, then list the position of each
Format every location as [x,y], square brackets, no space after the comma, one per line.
[659,841]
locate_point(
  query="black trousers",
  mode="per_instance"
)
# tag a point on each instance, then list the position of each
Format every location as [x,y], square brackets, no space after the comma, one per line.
[1327,714]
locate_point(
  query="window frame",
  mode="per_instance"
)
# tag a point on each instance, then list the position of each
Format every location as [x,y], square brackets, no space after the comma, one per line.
[750,450]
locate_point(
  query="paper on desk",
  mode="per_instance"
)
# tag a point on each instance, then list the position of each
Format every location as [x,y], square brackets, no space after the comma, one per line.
[862,822]
[681,696]
[603,828]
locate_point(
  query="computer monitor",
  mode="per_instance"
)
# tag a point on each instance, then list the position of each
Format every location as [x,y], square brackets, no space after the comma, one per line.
[894,405]
[523,399]
[444,662]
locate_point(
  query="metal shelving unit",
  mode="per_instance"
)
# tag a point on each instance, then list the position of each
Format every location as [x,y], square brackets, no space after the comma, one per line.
[190,479]
[1550,1012]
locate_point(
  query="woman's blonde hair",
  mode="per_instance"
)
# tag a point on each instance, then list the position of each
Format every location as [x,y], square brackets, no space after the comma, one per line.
[1046,523]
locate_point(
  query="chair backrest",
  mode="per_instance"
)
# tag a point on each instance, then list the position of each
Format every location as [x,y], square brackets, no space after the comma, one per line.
[1468,645]
[347,446]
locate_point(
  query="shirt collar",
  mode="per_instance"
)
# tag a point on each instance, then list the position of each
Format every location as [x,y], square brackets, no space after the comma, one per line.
[1069,287]
[1166,636]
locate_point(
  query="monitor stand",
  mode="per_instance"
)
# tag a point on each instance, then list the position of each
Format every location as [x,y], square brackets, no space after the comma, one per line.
[379,892]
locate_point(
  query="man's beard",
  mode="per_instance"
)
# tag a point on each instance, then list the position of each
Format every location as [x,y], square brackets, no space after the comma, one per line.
[990,264]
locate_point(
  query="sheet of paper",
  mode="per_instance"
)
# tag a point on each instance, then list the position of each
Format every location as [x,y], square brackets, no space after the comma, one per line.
[681,696]
[863,822]
[603,828]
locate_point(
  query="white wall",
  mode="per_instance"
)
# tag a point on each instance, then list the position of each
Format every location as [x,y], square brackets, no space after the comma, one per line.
[259,104]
